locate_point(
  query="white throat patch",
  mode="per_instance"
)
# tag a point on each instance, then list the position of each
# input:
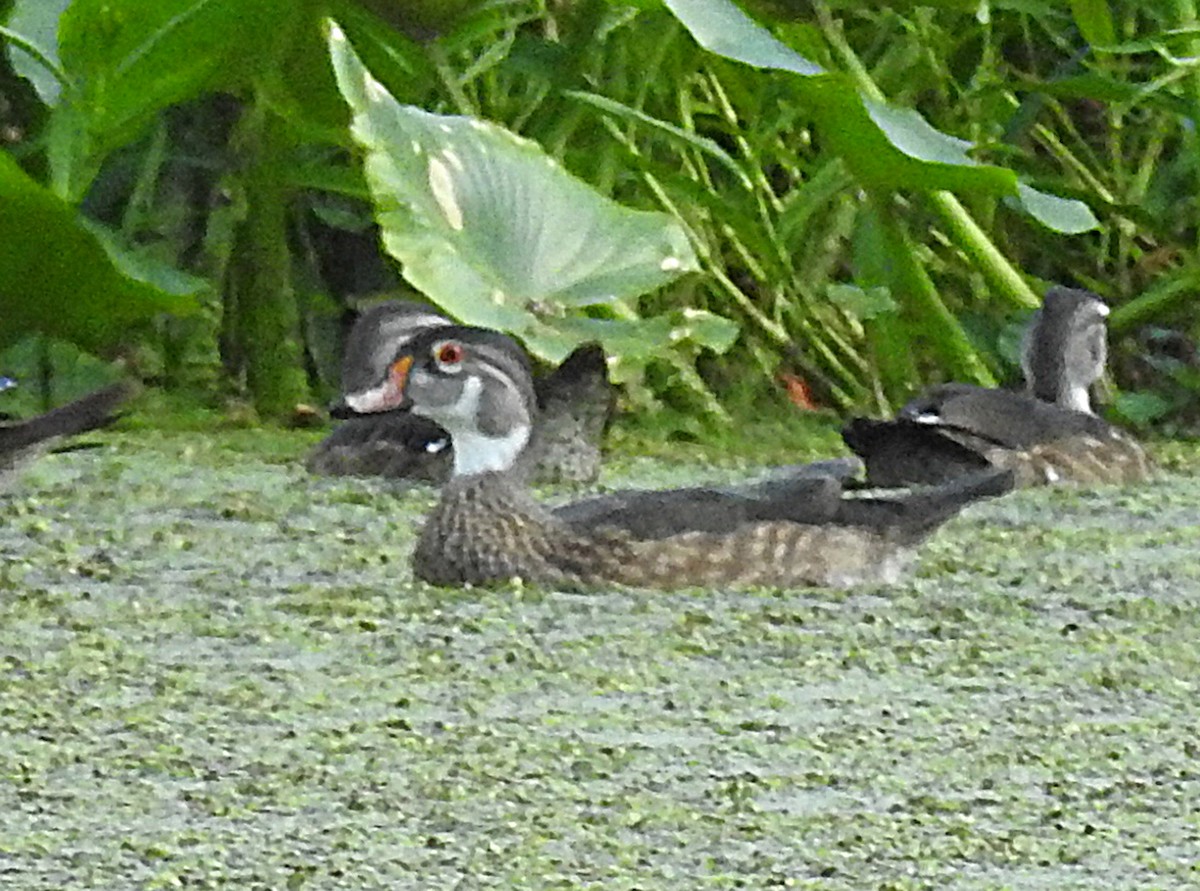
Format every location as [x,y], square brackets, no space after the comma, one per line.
[383,397]
[475,452]
[1078,399]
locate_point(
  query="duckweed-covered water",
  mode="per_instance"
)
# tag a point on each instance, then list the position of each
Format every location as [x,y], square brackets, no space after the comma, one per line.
[217,672]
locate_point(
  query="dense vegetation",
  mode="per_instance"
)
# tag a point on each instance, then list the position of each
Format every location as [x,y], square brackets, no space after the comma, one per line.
[180,187]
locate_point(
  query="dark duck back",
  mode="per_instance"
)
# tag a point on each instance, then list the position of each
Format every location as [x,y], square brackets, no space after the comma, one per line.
[1045,435]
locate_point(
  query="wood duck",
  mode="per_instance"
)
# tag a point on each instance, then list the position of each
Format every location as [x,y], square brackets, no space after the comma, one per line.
[22,440]
[575,400]
[801,529]
[1045,435]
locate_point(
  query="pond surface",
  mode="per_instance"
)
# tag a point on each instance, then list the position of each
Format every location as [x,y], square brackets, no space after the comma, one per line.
[217,672]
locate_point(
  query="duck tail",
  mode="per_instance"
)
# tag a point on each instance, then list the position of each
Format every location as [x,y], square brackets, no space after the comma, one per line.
[913,516]
[86,413]
[582,375]
[862,435]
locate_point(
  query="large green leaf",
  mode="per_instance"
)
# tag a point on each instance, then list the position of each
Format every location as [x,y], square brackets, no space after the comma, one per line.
[129,59]
[722,28]
[491,228]
[57,277]
[886,147]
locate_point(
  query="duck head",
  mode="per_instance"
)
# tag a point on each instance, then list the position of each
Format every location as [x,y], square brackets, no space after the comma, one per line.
[474,383]
[377,335]
[1065,348]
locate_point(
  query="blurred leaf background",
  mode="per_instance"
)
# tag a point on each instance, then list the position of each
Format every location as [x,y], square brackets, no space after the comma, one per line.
[876,194]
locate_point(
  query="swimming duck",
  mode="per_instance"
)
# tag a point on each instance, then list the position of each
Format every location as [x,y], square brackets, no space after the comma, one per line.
[575,400]
[1047,434]
[798,530]
[22,440]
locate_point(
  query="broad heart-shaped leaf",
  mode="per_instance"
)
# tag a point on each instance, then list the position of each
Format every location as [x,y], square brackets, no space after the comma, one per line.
[487,225]
[58,278]
[886,147]
[722,28]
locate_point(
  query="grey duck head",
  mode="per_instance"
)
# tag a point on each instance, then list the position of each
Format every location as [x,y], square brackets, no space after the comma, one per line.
[378,334]
[473,382]
[1064,349]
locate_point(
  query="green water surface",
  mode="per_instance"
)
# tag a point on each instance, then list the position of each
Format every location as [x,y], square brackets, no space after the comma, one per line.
[217,672]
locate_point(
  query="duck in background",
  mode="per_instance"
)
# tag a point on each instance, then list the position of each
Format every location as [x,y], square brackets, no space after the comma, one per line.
[20,441]
[1047,434]
[799,530]
[576,401]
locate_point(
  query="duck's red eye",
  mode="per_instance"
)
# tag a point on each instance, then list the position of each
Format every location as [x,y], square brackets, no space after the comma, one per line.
[450,353]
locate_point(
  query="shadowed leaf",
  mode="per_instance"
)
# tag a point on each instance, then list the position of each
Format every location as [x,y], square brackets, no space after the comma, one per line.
[60,278]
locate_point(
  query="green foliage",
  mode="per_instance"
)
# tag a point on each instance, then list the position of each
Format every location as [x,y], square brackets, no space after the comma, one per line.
[886,147]
[67,277]
[1094,21]
[497,233]
[48,373]
[122,63]
[934,157]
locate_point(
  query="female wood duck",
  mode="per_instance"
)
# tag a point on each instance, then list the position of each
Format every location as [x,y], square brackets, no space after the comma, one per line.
[21,440]
[1045,435]
[801,530]
[575,399]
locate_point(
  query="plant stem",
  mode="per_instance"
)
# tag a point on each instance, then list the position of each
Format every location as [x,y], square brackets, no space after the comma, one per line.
[266,332]
[1186,17]
[975,243]
[908,278]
